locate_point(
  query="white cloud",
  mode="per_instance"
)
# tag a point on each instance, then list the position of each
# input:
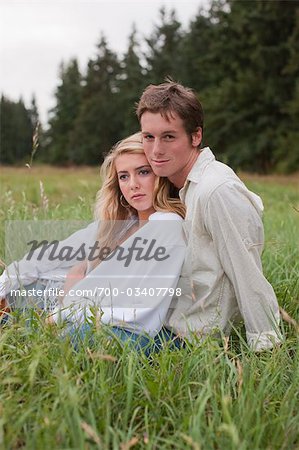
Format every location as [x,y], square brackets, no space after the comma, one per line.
[35,36]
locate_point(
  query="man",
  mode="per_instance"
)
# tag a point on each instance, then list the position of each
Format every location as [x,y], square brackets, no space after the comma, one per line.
[225,230]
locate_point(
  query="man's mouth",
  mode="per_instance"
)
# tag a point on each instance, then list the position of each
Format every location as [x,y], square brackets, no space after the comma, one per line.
[159,162]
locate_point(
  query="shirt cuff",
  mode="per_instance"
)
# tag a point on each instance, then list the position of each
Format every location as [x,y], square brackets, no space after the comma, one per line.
[71,314]
[263,341]
[56,315]
[3,282]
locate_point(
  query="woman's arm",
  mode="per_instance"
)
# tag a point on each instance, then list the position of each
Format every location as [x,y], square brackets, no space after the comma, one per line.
[29,269]
[135,291]
[74,275]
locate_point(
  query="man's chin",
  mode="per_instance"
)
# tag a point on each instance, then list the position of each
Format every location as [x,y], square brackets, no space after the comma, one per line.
[160,171]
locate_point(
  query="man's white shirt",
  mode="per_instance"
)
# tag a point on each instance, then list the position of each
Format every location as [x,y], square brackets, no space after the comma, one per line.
[223,260]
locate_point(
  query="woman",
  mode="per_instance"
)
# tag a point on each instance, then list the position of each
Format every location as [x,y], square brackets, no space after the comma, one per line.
[116,200]
[136,297]
[131,201]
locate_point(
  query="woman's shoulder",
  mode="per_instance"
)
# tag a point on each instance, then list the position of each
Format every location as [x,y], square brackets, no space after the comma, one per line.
[164,215]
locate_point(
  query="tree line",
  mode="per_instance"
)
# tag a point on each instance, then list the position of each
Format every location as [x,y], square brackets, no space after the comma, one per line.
[241,58]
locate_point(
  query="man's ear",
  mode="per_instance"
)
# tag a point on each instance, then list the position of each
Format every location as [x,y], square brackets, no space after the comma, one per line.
[196,137]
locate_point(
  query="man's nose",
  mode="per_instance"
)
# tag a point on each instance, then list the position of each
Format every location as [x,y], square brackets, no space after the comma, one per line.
[157,148]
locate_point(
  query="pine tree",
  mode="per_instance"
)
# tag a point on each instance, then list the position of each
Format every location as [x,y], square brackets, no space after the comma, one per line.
[64,114]
[132,83]
[100,120]
[197,68]
[247,107]
[287,152]
[164,48]
[15,132]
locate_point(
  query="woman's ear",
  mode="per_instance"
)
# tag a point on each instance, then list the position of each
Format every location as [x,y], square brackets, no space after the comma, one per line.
[196,137]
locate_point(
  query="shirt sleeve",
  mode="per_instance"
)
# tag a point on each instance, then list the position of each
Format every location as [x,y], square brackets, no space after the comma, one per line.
[236,229]
[32,266]
[138,294]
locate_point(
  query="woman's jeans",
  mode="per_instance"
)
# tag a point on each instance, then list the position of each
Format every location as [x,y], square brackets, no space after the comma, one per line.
[140,342]
[83,333]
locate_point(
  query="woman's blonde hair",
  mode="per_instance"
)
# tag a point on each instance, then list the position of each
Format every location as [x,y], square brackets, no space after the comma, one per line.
[108,200]
[110,207]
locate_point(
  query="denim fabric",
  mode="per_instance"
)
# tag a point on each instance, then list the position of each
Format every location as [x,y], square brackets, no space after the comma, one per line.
[44,301]
[84,332]
[139,342]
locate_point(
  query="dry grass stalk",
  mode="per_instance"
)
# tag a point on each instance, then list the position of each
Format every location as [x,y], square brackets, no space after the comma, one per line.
[131,443]
[44,198]
[240,375]
[102,356]
[90,433]
[190,441]
[287,318]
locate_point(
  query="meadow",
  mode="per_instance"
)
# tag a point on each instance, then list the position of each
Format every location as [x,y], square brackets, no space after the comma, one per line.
[212,395]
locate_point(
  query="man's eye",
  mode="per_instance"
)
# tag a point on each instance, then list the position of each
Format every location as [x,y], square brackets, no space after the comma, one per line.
[148,137]
[168,137]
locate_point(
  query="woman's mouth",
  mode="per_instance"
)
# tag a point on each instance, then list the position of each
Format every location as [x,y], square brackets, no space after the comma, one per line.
[137,196]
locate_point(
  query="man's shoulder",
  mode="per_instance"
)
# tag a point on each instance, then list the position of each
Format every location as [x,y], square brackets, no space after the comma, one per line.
[220,184]
[215,175]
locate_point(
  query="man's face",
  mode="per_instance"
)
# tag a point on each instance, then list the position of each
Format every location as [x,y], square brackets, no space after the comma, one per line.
[169,149]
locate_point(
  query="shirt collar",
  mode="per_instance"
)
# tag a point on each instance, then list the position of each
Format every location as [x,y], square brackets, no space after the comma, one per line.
[204,158]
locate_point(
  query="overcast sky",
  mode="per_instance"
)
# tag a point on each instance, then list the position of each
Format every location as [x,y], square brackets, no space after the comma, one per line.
[36,35]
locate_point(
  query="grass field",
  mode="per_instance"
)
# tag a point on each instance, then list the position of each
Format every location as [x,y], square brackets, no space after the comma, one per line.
[215,395]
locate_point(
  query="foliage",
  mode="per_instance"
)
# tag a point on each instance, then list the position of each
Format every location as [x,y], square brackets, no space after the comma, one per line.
[15,132]
[63,116]
[132,82]
[212,395]
[240,57]
[164,55]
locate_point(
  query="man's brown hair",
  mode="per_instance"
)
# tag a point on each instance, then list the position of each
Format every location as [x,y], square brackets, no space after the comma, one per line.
[171,97]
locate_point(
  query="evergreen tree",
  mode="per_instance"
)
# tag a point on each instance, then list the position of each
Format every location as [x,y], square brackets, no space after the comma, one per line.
[100,120]
[132,83]
[15,132]
[164,49]
[287,152]
[247,108]
[197,68]
[64,114]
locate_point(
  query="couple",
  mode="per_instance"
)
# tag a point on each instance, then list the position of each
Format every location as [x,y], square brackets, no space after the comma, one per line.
[221,278]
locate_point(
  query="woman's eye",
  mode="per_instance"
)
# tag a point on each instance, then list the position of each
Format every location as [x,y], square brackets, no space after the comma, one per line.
[144,171]
[122,177]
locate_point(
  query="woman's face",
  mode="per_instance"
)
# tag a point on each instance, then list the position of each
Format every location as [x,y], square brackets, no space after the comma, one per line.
[136,181]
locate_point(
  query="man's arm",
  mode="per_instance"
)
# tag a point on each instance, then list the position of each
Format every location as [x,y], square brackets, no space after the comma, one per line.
[237,232]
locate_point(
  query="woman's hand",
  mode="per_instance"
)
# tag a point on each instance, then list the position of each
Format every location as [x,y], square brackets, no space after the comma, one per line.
[4,308]
[49,321]
[75,274]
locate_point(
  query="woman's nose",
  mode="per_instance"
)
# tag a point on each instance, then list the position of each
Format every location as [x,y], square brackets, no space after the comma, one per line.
[134,183]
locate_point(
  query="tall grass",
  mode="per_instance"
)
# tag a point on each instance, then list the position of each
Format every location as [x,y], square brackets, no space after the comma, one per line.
[212,395]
